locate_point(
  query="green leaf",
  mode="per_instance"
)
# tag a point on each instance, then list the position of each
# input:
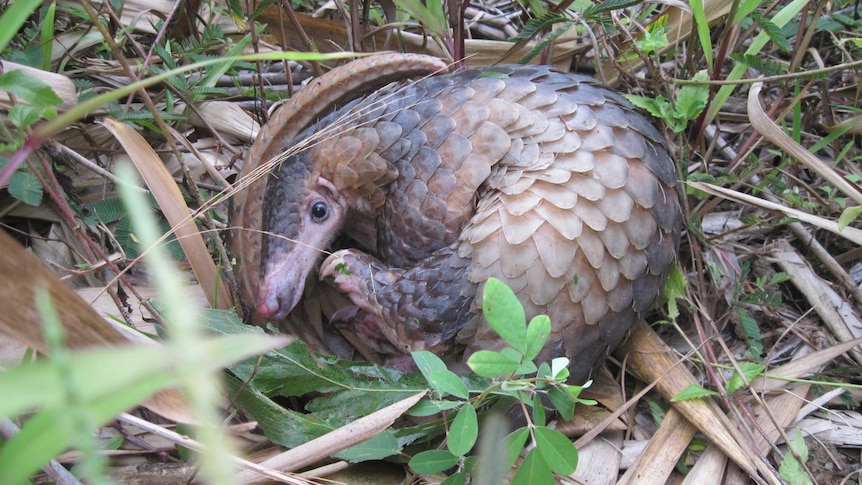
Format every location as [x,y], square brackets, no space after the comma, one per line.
[693,391]
[560,368]
[432,461]
[538,332]
[848,215]
[658,107]
[46,35]
[745,8]
[381,446]
[25,187]
[107,381]
[653,40]
[790,469]
[774,32]
[430,407]
[702,24]
[557,450]
[459,478]
[463,431]
[750,370]
[504,313]
[24,115]
[14,16]
[533,471]
[539,416]
[692,98]
[515,442]
[28,88]
[445,382]
[487,363]
[427,362]
[562,401]
[441,379]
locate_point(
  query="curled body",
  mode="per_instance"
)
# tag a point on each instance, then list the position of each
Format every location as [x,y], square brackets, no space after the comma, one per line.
[544,180]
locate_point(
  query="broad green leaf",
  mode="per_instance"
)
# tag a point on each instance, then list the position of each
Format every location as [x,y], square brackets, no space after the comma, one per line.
[560,368]
[441,379]
[380,446]
[515,442]
[459,478]
[487,363]
[463,431]
[28,88]
[562,401]
[557,450]
[538,332]
[24,115]
[849,215]
[658,107]
[750,370]
[101,373]
[533,471]
[693,391]
[432,461]
[105,382]
[692,98]
[504,313]
[447,382]
[539,417]
[430,407]
[790,469]
[653,40]
[427,362]
[25,187]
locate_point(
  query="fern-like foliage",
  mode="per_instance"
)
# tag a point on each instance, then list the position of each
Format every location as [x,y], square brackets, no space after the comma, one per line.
[536,25]
[759,63]
[610,5]
[776,35]
[544,42]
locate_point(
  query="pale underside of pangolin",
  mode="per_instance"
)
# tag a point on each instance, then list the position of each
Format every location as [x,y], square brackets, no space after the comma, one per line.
[541,179]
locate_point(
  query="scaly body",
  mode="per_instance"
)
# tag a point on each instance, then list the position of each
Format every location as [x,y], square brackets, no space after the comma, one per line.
[544,180]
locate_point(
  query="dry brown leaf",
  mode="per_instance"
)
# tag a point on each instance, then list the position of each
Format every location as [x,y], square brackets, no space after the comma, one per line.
[228,118]
[659,459]
[599,460]
[780,414]
[171,202]
[775,378]
[851,233]
[835,312]
[708,469]
[21,274]
[766,127]
[853,125]
[649,359]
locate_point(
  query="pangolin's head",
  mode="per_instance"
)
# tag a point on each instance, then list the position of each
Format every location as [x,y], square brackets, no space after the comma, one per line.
[303,213]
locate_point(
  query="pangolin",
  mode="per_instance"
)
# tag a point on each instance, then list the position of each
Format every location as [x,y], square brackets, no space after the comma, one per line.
[542,179]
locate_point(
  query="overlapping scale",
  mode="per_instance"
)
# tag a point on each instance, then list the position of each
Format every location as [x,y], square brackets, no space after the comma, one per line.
[541,179]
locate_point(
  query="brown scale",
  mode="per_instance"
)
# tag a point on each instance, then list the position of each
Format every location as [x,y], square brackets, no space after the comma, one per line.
[544,180]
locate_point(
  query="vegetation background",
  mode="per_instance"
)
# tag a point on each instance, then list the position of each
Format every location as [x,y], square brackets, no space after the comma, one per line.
[760,102]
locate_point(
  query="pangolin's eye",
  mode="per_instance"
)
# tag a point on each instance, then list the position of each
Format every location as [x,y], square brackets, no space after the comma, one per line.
[319,212]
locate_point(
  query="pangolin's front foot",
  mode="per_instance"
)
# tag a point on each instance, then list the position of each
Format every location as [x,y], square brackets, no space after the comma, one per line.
[417,308]
[368,283]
